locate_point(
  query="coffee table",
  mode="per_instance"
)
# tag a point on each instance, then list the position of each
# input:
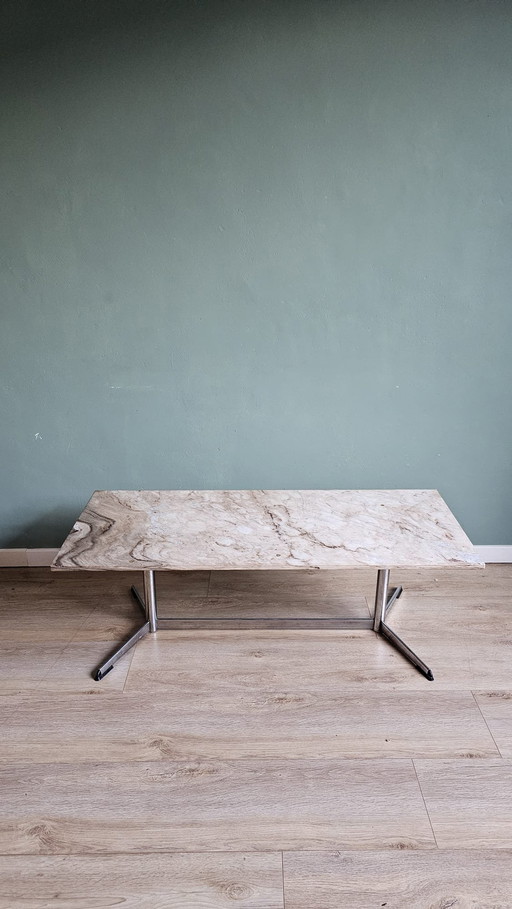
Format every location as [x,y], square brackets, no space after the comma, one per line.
[250,530]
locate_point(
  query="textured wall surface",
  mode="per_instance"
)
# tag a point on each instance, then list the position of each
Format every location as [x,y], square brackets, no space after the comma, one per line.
[255,244]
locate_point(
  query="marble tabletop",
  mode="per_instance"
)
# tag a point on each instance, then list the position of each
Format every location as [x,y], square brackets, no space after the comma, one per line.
[264,529]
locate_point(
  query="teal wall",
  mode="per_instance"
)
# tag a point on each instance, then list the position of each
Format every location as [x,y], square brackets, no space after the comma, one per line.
[255,244]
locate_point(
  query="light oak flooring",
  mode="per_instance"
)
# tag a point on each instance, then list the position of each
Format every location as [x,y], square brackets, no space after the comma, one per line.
[266,769]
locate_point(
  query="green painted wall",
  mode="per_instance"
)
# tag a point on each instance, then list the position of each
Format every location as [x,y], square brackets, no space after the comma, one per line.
[255,244]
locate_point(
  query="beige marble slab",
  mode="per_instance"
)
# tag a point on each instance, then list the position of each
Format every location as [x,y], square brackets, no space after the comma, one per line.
[258,529]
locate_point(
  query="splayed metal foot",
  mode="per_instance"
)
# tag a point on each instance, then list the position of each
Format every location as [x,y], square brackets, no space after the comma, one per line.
[383,603]
[149,608]
[109,664]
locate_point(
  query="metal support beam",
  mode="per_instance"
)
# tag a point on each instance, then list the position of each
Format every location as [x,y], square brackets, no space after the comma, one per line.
[241,624]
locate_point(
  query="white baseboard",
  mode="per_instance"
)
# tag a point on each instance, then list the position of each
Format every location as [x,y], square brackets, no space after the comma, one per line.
[494,553]
[19,558]
[36,557]
[13,558]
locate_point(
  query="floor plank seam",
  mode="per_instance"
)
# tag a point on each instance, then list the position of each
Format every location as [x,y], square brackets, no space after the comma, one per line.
[240,850]
[128,671]
[425,804]
[89,616]
[54,664]
[66,645]
[487,724]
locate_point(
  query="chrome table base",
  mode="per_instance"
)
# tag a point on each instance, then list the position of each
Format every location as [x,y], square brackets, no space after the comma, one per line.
[384,600]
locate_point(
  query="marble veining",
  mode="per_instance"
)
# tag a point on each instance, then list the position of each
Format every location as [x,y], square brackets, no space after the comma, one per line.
[258,529]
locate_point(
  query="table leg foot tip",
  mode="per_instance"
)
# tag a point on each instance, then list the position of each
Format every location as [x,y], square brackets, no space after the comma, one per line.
[98,675]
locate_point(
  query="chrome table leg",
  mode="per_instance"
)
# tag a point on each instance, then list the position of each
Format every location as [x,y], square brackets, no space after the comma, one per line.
[149,608]
[383,603]
[150,600]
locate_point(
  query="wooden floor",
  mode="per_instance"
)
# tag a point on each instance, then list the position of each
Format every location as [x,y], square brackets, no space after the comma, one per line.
[265,769]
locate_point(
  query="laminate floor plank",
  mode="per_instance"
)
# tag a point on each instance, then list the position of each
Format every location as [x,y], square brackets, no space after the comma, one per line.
[117,583]
[474,662]
[24,665]
[398,880]
[267,606]
[178,881]
[166,806]
[71,671]
[75,587]
[30,611]
[295,584]
[496,707]
[204,741]
[469,802]
[494,580]
[40,606]
[112,622]
[466,640]
[348,659]
[57,667]
[453,615]
[26,625]
[268,723]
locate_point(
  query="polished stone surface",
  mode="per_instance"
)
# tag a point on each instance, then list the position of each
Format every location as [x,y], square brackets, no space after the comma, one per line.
[258,529]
